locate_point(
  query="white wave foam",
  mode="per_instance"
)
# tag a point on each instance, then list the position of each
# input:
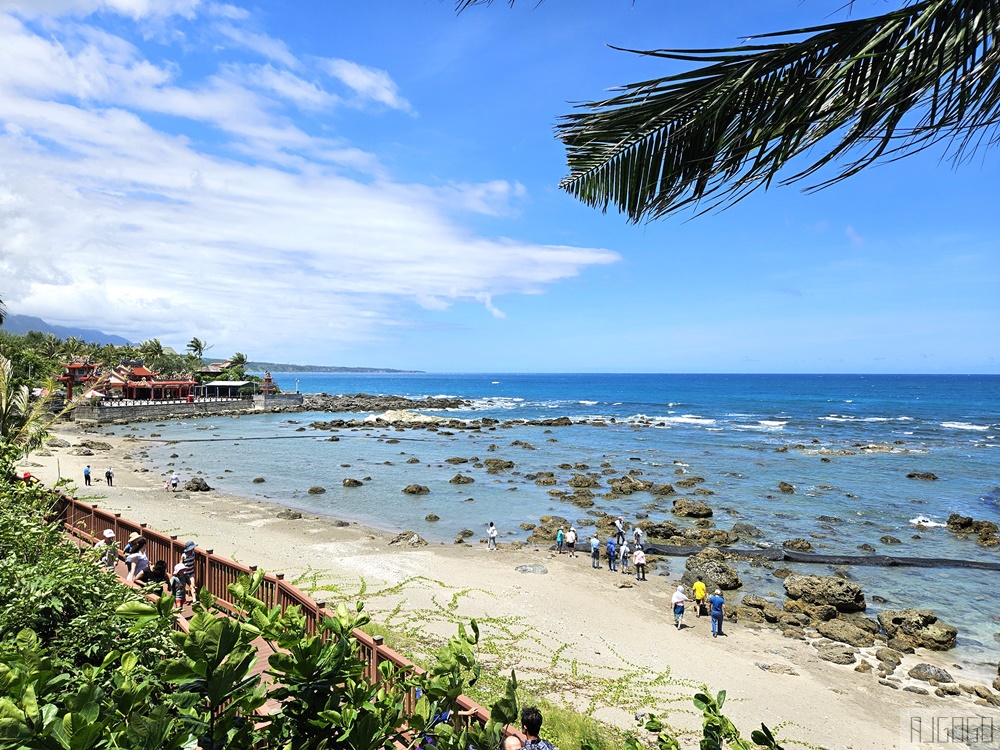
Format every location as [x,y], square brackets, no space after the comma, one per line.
[925,521]
[965,426]
[846,418]
[675,403]
[588,403]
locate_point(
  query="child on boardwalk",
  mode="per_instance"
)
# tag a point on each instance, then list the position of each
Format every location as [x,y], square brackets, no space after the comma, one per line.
[178,585]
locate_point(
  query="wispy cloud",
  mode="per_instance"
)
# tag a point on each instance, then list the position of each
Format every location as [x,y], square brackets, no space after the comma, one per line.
[369,84]
[110,220]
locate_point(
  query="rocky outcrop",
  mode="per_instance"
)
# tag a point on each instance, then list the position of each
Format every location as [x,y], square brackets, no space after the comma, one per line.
[844,632]
[81,452]
[984,531]
[689,482]
[363,402]
[928,672]
[461,479]
[94,445]
[919,628]
[547,527]
[691,508]
[497,465]
[197,484]
[416,489]
[583,481]
[316,490]
[927,476]
[407,539]
[743,530]
[288,515]
[454,460]
[798,544]
[712,570]
[627,484]
[844,596]
[432,517]
[786,488]
[58,443]
[837,653]
[662,489]
[353,482]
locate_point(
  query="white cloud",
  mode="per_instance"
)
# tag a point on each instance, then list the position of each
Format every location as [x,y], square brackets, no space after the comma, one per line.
[135,9]
[106,221]
[368,83]
[264,45]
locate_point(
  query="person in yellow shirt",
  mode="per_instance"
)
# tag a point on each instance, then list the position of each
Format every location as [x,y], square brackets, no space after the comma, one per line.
[699,596]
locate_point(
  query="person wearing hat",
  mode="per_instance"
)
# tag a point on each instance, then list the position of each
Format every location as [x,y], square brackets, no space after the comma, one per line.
[619,531]
[560,539]
[717,608]
[595,552]
[136,561]
[571,542]
[134,537]
[679,599]
[107,549]
[178,585]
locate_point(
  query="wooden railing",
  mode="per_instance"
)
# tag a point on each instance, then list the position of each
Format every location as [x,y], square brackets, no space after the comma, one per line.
[213,572]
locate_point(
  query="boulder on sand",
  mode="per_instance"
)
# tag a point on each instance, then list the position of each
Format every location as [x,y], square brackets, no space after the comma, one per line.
[197,484]
[844,632]
[407,539]
[918,628]
[828,590]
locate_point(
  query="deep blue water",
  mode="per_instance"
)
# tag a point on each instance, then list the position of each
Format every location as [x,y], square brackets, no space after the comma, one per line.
[725,428]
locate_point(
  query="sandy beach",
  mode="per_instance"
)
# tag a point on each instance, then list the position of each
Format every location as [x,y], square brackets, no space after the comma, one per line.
[575,634]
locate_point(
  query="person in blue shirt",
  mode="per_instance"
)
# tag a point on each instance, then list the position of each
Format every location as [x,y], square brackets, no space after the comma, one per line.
[717,608]
[560,538]
[86,475]
[531,725]
[612,555]
[595,552]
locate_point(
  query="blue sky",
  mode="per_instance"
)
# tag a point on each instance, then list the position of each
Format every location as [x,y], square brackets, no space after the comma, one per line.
[375,184]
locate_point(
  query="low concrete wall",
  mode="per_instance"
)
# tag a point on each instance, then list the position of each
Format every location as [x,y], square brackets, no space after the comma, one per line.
[97,414]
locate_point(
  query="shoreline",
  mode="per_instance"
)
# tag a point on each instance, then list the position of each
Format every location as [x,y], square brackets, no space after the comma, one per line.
[549,625]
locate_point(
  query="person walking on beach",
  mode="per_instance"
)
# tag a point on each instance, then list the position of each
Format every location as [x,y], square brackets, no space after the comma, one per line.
[637,536]
[107,550]
[531,725]
[699,596]
[560,538]
[626,554]
[571,541]
[717,609]
[491,537]
[679,599]
[639,558]
[595,552]
[86,475]
[620,530]
[612,553]
[109,476]
[174,481]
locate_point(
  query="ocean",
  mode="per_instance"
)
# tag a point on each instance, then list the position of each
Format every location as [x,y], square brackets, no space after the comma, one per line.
[743,433]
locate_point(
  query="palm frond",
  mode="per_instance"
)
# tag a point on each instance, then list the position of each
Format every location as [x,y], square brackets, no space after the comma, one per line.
[875,89]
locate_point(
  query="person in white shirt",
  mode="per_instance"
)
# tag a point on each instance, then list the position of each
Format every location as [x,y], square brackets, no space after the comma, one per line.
[678,600]
[491,537]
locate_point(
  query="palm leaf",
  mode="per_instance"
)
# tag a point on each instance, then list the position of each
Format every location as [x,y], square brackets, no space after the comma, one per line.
[873,89]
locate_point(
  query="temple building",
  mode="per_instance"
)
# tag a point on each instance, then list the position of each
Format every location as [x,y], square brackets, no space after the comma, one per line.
[129,380]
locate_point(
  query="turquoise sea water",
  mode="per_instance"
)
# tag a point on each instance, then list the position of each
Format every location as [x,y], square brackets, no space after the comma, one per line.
[725,428]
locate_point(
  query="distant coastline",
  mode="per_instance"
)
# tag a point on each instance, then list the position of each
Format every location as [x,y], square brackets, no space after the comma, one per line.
[274,367]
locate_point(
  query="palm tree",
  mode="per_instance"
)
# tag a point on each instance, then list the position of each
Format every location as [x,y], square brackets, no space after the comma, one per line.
[239,359]
[3,312]
[869,90]
[197,347]
[152,349]
[24,423]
